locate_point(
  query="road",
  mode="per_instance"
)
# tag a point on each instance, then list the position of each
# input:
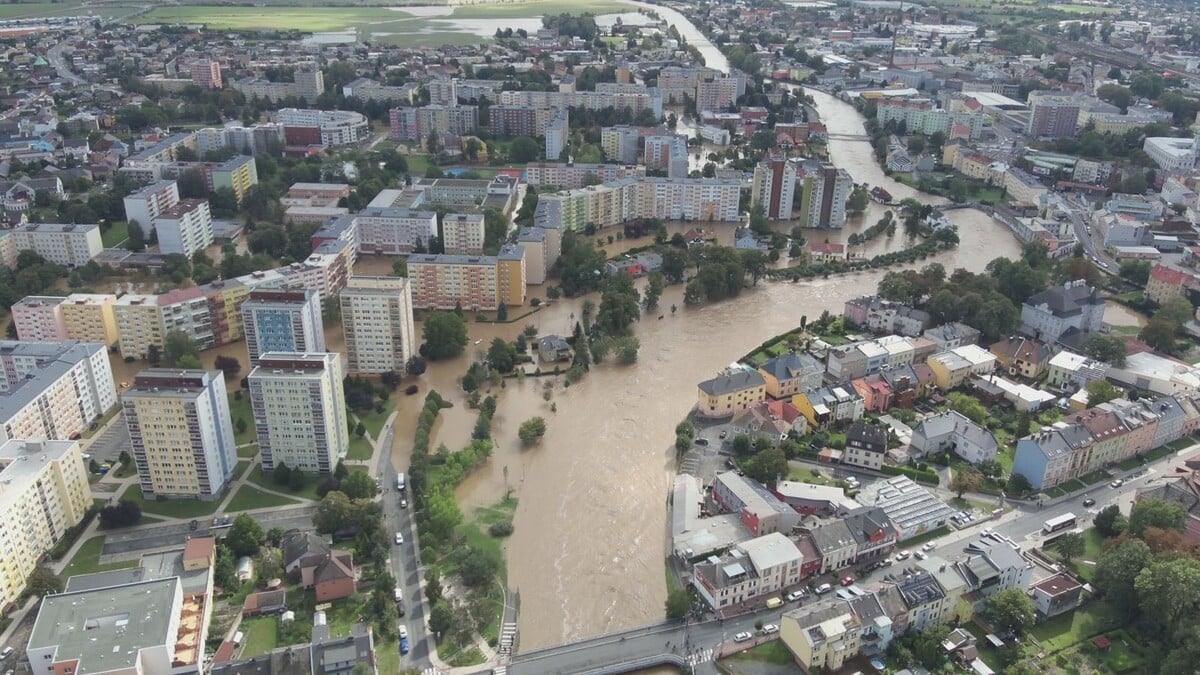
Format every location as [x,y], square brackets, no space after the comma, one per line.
[59,63]
[176,534]
[108,444]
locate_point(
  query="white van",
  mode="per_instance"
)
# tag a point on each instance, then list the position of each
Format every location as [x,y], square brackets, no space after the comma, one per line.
[400,481]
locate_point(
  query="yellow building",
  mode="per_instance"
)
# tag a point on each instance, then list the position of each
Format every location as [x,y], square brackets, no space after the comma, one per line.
[238,174]
[90,317]
[510,275]
[139,324]
[731,393]
[474,283]
[44,492]
[974,165]
[949,370]
[823,636]
[225,300]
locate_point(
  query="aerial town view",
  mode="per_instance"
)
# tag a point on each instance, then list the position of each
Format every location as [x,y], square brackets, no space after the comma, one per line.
[453,337]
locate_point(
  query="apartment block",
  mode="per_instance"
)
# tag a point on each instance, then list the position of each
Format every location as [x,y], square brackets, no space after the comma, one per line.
[416,124]
[613,203]
[556,134]
[53,390]
[330,128]
[463,233]
[442,91]
[145,320]
[718,91]
[206,74]
[299,411]
[282,321]
[67,244]
[89,317]
[607,95]
[184,228]
[620,144]
[774,185]
[43,493]
[754,569]
[378,321]
[39,318]
[922,116]
[516,120]
[823,199]
[392,230]
[146,204]
[236,173]
[181,432]
[667,153]
[569,176]
[474,282]
[1052,114]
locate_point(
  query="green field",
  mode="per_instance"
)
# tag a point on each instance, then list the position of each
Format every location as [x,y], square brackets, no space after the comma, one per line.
[248,498]
[512,10]
[87,559]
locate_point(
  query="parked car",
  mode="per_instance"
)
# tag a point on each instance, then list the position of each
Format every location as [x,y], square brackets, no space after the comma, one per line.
[724,434]
[770,628]
[403,631]
[6,652]
[929,546]
[920,555]
[742,637]
[399,538]
[902,555]
[1116,483]
[701,441]
[847,580]
[794,596]
[403,503]
[823,589]
[1089,502]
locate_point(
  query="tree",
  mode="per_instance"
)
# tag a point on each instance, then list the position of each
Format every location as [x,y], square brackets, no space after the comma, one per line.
[968,405]
[360,429]
[433,586]
[1070,546]
[742,445]
[246,535]
[440,618]
[390,379]
[333,512]
[966,480]
[1168,515]
[532,430]
[1010,609]
[677,604]
[43,581]
[1168,593]
[1101,391]
[1159,333]
[523,150]
[282,474]
[445,336]
[269,564]
[1135,271]
[358,485]
[178,344]
[1024,422]
[224,571]
[502,355]
[124,514]
[135,237]
[1114,94]
[1018,484]
[1110,521]
[654,289]
[228,365]
[619,305]
[154,355]
[415,366]
[1176,309]
[767,466]
[858,200]
[1106,348]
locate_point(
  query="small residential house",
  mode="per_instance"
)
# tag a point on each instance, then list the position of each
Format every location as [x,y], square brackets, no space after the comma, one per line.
[329,572]
[777,419]
[265,602]
[875,392]
[1054,595]
[788,374]
[553,348]
[952,431]
[1022,357]
[950,335]
[865,446]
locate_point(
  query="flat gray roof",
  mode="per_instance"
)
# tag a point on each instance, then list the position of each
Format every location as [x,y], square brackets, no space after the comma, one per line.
[107,627]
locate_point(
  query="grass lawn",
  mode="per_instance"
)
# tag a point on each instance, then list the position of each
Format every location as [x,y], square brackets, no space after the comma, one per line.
[305,19]
[1065,630]
[806,475]
[118,232]
[240,410]
[360,448]
[373,421]
[248,452]
[172,508]
[261,635]
[87,559]
[309,491]
[1094,477]
[33,10]
[248,498]
[773,652]
[387,656]
[417,164]
[537,8]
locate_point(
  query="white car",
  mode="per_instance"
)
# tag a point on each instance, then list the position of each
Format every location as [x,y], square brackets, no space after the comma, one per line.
[770,628]
[920,555]
[742,637]
[1116,483]
[902,555]
[929,546]
[399,538]
[794,596]
[403,631]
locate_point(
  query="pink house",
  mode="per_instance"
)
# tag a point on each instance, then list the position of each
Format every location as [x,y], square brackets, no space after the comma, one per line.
[875,392]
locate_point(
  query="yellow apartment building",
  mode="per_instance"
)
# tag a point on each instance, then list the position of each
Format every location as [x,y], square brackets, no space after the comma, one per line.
[90,317]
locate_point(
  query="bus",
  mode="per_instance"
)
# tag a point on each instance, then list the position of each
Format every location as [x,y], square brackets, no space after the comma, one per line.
[1065,521]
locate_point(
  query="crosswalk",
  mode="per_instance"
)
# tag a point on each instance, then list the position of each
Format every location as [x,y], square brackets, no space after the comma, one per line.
[431,671]
[700,656]
[508,638]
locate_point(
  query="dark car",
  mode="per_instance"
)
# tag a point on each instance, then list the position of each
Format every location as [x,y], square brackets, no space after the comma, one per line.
[1089,502]
[410,389]
[193,525]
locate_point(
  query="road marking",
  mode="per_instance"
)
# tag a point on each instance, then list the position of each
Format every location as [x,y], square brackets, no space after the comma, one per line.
[700,656]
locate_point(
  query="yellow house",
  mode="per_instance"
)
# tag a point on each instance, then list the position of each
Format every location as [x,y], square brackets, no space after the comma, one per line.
[949,369]
[816,413]
[727,394]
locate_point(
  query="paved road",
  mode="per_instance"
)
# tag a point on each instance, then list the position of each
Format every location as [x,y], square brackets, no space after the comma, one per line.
[59,63]
[108,444]
[176,534]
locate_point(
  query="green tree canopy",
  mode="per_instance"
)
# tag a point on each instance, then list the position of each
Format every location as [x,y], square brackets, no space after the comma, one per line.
[445,335]
[1167,515]
[1010,609]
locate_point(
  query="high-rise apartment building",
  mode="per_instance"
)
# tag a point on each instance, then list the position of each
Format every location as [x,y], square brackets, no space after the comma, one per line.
[667,152]
[206,74]
[620,143]
[473,282]
[378,321]
[463,233]
[774,186]
[443,91]
[282,321]
[45,492]
[309,84]
[146,204]
[299,411]
[1052,114]
[53,390]
[67,244]
[184,228]
[823,198]
[556,133]
[39,318]
[181,432]
[89,317]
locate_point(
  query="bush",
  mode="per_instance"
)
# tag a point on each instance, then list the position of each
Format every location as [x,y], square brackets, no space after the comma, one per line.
[501,529]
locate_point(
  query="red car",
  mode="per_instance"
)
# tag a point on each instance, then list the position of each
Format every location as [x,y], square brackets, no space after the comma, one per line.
[846,581]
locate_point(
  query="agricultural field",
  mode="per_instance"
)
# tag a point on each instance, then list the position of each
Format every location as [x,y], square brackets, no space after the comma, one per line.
[31,10]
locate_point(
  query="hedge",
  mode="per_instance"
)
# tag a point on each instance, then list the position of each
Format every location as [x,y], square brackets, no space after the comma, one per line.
[915,474]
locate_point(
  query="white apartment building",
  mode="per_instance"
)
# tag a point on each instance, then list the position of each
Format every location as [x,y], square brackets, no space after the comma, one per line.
[63,243]
[669,153]
[463,233]
[568,176]
[1174,155]
[378,322]
[392,230]
[43,493]
[299,411]
[39,318]
[185,227]
[181,432]
[282,321]
[146,204]
[53,390]
[557,131]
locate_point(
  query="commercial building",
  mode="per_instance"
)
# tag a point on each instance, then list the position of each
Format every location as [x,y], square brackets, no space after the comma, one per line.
[823,198]
[39,318]
[378,321]
[667,153]
[89,317]
[299,411]
[67,244]
[620,144]
[463,233]
[181,432]
[185,227]
[45,493]
[1174,155]
[53,390]
[416,124]
[754,569]
[760,511]
[282,321]
[473,282]
[911,509]
[774,186]
[331,128]
[144,205]
[1052,115]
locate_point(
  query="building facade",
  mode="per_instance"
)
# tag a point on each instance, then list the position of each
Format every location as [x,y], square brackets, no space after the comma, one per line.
[378,321]
[282,321]
[299,411]
[67,244]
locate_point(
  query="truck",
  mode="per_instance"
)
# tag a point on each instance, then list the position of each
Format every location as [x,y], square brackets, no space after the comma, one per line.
[400,484]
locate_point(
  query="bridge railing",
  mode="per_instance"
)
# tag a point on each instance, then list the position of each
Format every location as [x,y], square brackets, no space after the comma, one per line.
[641,664]
[534,653]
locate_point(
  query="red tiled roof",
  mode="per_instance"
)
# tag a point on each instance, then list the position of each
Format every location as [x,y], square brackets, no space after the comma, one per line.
[1168,275]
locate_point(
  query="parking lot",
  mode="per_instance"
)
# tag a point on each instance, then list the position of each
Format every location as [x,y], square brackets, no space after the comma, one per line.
[107,445]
